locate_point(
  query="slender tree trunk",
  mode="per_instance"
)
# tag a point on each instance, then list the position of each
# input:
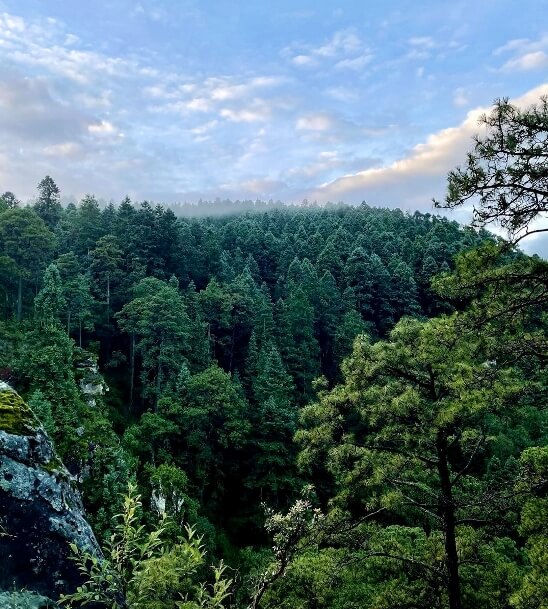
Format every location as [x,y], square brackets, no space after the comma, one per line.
[132,369]
[108,299]
[232,349]
[68,321]
[158,379]
[80,330]
[19,298]
[209,341]
[447,512]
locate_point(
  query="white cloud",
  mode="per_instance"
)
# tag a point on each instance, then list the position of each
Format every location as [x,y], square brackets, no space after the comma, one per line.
[102,128]
[154,13]
[342,43]
[222,89]
[343,94]
[535,60]
[71,39]
[66,149]
[199,104]
[202,129]
[223,96]
[262,187]
[11,25]
[356,63]
[424,42]
[413,180]
[344,49]
[526,54]
[314,122]
[303,60]
[326,162]
[258,112]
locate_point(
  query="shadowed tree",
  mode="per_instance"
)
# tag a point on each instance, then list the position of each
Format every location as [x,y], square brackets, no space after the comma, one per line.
[48,202]
[506,174]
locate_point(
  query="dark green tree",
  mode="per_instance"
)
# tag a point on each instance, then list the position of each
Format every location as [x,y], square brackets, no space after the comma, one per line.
[48,202]
[406,435]
[505,174]
[25,246]
[157,316]
[8,201]
[50,301]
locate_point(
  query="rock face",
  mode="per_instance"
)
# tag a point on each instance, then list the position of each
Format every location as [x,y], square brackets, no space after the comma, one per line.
[41,512]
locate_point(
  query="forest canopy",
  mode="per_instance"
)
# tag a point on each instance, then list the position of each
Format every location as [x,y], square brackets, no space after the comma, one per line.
[374,380]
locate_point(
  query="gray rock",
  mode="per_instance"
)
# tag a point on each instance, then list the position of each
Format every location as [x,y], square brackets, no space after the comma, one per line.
[41,510]
[25,600]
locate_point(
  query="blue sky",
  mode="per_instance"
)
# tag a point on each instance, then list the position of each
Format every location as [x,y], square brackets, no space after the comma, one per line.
[177,100]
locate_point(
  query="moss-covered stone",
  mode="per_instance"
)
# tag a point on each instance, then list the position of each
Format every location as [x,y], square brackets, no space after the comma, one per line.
[41,511]
[15,416]
[54,466]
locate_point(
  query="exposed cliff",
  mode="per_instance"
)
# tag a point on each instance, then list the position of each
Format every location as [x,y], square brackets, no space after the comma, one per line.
[40,509]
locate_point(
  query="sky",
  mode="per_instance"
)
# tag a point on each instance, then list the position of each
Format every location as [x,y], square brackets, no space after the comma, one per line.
[177,100]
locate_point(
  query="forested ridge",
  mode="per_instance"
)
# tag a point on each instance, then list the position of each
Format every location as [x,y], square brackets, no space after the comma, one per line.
[370,382]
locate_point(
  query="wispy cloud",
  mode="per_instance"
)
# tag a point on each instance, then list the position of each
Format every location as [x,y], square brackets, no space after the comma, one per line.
[414,179]
[535,60]
[344,50]
[525,54]
[314,122]
[247,103]
[460,97]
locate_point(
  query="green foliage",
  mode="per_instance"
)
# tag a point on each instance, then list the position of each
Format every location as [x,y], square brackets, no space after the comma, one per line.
[533,593]
[206,381]
[292,533]
[48,202]
[507,168]
[8,201]
[25,245]
[409,436]
[49,301]
[157,316]
[43,410]
[146,571]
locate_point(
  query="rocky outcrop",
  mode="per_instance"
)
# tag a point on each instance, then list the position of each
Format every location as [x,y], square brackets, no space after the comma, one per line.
[41,511]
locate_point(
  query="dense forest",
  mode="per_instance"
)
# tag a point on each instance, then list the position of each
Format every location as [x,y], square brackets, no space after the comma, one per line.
[341,407]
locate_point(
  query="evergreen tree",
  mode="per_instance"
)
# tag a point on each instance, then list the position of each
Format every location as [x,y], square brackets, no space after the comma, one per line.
[50,302]
[406,438]
[298,345]
[48,202]
[157,316]
[25,245]
[8,201]
[106,270]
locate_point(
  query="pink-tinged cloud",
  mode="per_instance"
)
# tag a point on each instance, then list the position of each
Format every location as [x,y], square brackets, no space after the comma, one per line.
[412,181]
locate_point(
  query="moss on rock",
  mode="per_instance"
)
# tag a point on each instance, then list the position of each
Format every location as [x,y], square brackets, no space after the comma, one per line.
[41,511]
[15,416]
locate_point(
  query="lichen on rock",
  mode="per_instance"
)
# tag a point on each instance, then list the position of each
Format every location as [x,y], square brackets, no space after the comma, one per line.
[41,511]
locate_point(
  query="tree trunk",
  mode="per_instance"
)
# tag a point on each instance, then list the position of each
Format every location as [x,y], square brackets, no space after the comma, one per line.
[447,513]
[232,348]
[158,379]
[132,369]
[68,321]
[19,298]
[108,299]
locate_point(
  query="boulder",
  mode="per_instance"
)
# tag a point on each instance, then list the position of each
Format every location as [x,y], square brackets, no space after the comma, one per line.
[41,511]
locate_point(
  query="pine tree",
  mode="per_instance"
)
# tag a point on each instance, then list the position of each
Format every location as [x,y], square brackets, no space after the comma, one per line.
[50,301]
[48,202]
